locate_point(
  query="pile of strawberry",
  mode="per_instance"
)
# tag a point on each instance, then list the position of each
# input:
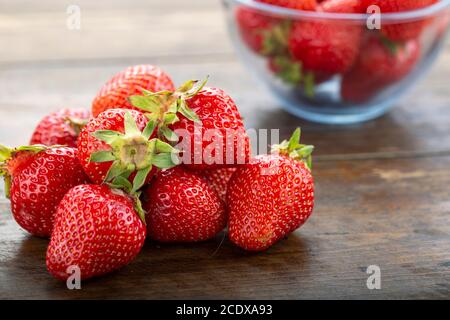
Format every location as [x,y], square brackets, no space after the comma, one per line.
[99,183]
[305,53]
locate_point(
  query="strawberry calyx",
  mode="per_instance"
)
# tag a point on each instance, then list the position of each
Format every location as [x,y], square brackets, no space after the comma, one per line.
[292,148]
[134,151]
[122,183]
[275,40]
[77,124]
[163,107]
[13,158]
[291,72]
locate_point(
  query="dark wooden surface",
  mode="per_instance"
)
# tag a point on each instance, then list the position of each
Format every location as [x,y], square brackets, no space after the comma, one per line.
[383,194]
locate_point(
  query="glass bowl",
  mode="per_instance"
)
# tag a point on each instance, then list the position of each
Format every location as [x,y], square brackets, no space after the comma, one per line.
[336,68]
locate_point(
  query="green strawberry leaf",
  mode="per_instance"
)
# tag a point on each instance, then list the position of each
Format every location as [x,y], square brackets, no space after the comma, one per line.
[188,113]
[140,178]
[130,125]
[108,136]
[165,160]
[145,103]
[309,85]
[163,147]
[102,156]
[120,182]
[5,153]
[187,86]
[294,149]
[149,129]
[114,171]
[168,134]
[294,140]
[138,207]
[170,118]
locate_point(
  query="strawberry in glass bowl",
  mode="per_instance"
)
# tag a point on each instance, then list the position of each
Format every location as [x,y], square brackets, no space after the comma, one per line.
[338,61]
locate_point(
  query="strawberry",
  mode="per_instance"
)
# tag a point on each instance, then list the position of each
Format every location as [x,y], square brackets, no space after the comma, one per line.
[406,30]
[129,82]
[205,122]
[61,127]
[182,207]
[96,229]
[254,27]
[218,179]
[36,179]
[324,46]
[379,65]
[342,6]
[271,197]
[266,34]
[218,115]
[121,142]
[292,4]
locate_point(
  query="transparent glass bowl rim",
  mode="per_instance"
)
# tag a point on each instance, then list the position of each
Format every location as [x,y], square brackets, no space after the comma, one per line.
[302,14]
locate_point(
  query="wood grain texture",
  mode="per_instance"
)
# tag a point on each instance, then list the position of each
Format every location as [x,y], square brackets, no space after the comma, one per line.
[394,214]
[383,193]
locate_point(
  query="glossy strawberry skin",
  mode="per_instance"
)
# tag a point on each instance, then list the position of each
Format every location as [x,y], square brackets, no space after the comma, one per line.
[406,30]
[292,4]
[56,129]
[111,119]
[182,207]
[97,229]
[342,6]
[130,82]
[378,67]
[39,181]
[220,117]
[326,47]
[252,26]
[218,179]
[266,205]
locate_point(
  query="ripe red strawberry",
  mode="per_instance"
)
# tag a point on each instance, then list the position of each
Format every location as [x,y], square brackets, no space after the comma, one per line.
[96,229]
[61,127]
[254,27]
[379,65]
[129,82]
[324,46]
[205,121]
[271,197]
[342,6]
[121,142]
[406,30]
[266,34]
[293,4]
[36,179]
[220,117]
[218,179]
[182,207]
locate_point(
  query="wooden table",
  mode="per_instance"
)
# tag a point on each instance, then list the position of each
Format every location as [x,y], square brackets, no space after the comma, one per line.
[383,194]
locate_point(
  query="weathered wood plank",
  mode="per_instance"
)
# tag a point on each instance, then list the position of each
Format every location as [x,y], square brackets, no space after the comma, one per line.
[117,30]
[25,6]
[394,214]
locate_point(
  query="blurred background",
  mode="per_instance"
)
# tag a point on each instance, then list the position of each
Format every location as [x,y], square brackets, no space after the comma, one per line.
[46,64]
